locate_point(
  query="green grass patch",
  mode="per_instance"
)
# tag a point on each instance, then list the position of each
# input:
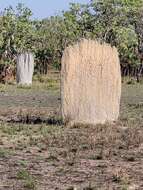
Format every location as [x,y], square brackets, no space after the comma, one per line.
[27,87]
[29,180]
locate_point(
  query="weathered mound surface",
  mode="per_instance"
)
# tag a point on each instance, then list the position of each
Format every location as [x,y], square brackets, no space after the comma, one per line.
[25,68]
[90,83]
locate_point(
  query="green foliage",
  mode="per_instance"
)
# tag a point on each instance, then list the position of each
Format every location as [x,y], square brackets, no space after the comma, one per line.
[29,181]
[116,24]
[127,42]
[119,23]
[16,32]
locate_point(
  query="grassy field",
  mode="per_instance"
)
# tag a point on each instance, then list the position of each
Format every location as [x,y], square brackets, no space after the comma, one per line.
[37,152]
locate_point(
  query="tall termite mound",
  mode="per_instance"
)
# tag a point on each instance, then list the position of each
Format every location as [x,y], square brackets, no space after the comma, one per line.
[90,83]
[25,68]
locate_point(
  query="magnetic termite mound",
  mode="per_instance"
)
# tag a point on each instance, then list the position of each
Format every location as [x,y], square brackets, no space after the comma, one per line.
[24,68]
[90,83]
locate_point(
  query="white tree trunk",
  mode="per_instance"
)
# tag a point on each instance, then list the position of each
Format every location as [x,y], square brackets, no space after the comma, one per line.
[25,68]
[90,83]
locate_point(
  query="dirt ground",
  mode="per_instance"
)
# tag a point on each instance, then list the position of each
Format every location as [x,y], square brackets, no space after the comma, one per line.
[37,152]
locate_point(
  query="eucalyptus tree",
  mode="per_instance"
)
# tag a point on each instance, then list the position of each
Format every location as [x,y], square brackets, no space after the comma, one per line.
[16,32]
[119,23]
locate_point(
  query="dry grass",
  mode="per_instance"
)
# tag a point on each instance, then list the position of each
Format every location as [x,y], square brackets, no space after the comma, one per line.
[55,157]
[81,157]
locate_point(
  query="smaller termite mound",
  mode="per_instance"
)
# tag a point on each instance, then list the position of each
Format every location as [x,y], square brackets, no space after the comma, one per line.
[90,83]
[24,68]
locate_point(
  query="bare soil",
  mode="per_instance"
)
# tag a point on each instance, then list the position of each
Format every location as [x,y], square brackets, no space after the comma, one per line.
[50,156]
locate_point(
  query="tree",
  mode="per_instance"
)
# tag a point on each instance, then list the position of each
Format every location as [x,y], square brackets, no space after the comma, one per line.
[16,32]
[119,23]
[115,22]
[49,42]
